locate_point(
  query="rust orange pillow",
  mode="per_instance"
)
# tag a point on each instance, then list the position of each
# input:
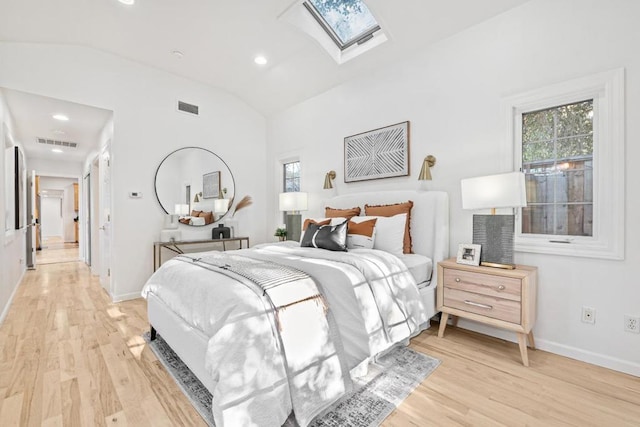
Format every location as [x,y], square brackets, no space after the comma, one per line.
[364,228]
[361,234]
[313,221]
[195,213]
[391,210]
[341,213]
[208,217]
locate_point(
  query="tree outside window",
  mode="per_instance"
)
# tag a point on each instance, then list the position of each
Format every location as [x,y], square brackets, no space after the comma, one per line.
[557,159]
[291,174]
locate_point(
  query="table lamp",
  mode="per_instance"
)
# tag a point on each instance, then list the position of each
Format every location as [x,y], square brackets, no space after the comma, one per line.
[221,206]
[171,232]
[495,233]
[292,203]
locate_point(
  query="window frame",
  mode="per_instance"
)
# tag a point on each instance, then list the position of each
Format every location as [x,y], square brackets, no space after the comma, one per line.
[300,17]
[359,39]
[556,140]
[284,174]
[607,91]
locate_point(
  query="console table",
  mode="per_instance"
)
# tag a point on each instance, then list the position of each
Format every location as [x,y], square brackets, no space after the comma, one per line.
[213,244]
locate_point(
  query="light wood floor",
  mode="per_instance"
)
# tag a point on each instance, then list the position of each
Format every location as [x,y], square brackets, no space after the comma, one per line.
[70,357]
[55,250]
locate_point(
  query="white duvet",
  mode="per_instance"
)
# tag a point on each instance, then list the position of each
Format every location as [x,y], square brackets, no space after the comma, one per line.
[371,295]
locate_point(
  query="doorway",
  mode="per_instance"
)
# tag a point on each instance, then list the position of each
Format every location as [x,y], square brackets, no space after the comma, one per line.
[58,220]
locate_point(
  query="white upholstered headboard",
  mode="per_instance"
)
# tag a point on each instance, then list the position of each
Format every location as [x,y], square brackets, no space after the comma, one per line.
[429,217]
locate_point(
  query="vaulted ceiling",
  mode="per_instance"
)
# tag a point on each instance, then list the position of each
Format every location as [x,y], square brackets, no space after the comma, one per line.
[219,39]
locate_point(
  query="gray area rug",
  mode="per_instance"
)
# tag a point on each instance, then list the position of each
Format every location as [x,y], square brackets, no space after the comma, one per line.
[390,380]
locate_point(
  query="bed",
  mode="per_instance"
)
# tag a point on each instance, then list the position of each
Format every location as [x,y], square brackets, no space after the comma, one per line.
[247,357]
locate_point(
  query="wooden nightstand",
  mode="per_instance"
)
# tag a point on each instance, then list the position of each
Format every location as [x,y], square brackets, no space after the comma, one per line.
[496,297]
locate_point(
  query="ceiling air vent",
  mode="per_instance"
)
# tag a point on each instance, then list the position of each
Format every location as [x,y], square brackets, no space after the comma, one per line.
[55,142]
[188,108]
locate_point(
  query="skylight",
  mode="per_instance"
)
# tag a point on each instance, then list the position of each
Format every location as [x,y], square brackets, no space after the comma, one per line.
[346,21]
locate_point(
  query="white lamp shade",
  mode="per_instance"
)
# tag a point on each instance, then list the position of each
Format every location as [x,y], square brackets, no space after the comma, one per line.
[221,205]
[505,190]
[293,201]
[182,209]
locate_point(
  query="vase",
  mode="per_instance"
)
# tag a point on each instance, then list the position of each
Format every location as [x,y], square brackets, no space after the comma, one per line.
[220,232]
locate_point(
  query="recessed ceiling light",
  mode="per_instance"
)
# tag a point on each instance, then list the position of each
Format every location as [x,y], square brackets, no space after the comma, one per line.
[260,60]
[127,2]
[60,117]
[58,132]
[177,54]
[56,150]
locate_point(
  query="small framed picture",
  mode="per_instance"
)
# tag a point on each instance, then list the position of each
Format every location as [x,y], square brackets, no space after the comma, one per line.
[468,254]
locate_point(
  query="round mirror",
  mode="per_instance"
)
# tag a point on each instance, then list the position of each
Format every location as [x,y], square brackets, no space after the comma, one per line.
[196,185]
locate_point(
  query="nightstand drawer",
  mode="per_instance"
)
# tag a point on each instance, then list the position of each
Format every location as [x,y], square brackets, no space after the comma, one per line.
[497,308]
[486,284]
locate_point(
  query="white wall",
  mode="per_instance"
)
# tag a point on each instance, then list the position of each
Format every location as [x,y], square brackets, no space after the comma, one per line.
[452,94]
[146,127]
[55,168]
[51,212]
[12,242]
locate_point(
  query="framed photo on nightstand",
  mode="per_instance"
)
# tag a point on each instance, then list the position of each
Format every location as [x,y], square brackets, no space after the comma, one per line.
[468,254]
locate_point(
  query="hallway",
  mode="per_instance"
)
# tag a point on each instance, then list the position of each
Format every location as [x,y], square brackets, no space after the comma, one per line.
[55,250]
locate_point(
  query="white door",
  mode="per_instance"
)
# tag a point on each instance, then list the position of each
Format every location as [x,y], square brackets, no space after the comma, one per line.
[31,221]
[105,218]
[51,217]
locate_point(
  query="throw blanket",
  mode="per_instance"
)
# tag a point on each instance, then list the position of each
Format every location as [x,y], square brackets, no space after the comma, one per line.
[295,300]
[371,295]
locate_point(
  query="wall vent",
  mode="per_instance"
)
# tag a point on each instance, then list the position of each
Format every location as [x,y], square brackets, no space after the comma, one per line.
[56,142]
[188,108]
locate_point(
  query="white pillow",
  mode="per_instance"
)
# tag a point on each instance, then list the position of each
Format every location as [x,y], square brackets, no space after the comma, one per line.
[360,241]
[389,236]
[197,220]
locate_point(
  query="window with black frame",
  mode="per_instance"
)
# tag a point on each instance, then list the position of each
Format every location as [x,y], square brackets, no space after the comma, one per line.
[557,159]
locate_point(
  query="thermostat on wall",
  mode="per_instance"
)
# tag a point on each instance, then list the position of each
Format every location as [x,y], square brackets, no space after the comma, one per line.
[135,195]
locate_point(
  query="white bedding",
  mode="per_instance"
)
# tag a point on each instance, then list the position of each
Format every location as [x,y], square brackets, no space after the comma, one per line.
[371,294]
[419,266]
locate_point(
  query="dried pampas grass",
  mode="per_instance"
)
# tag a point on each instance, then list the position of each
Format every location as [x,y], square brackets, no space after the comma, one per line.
[246,201]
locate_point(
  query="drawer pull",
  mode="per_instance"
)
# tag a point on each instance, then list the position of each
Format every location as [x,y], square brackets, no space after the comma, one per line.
[457,279]
[501,288]
[477,304]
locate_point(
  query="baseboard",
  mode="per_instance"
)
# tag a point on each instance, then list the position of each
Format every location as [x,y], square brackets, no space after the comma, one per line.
[598,359]
[126,297]
[576,353]
[5,310]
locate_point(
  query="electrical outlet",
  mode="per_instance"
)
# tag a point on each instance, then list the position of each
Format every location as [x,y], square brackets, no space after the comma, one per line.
[588,315]
[632,324]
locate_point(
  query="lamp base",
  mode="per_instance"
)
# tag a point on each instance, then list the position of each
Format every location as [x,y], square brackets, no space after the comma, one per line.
[170,235]
[495,265]
[294,226]
[494,233]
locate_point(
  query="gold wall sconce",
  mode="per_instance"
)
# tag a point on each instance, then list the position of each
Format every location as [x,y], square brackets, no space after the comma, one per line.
[198,197]
[328,180]
[425,172]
